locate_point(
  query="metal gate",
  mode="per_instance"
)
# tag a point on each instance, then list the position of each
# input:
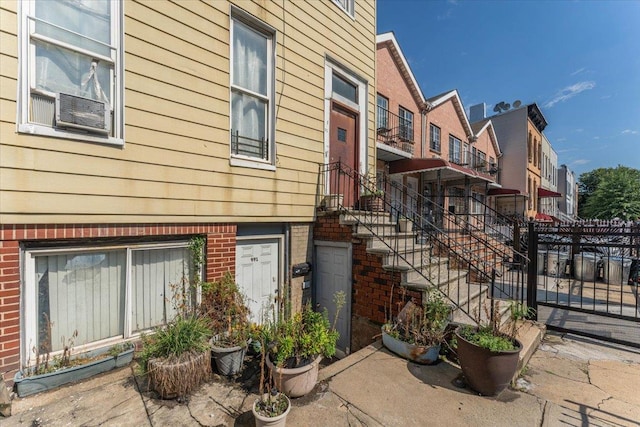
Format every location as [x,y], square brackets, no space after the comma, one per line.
[583,278]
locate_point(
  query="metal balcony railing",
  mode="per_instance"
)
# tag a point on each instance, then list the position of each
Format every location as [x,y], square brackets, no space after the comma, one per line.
[394,130]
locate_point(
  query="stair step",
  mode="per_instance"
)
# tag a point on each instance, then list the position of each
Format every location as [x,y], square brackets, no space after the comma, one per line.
[366,217]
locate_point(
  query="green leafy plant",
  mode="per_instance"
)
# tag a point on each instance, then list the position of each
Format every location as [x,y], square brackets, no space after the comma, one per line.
[181,336]
[116,349]
[422,325]
[491,335]
[225,310]
[301,338]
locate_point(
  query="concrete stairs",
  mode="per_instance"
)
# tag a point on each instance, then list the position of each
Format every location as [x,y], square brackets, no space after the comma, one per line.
[419,267]
[421,270]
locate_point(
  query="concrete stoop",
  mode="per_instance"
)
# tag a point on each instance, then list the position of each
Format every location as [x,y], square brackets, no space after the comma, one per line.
[529,334]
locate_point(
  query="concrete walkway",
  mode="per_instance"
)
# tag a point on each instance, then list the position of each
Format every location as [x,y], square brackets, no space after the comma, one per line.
[568,381]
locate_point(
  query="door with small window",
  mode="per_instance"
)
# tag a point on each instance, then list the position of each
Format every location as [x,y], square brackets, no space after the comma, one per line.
[343,148]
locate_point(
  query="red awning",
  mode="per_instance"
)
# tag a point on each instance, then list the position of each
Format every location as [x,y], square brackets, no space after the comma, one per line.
[449,170]
[502,192]
[547,193]
[543,217]
[423,165]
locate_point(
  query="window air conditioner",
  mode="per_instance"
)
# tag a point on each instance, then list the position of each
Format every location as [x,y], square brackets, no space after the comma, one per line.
[82,113]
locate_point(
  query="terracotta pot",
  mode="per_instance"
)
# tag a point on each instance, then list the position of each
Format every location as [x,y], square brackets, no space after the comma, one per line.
[277,421]
[415,353]
[295,382]
[487,372]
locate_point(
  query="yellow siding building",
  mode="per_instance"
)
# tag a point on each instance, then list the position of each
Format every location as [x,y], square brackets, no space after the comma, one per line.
[129,128]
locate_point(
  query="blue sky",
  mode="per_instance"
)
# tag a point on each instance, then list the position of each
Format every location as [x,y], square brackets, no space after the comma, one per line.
[578,60]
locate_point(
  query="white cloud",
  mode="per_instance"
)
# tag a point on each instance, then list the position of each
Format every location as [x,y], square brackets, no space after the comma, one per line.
[577,71]
[580,162]
[629,132]
[569,92]
[596,137]
[561,139]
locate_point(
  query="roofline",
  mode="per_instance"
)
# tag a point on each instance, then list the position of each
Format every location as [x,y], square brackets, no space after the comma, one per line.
[390,37]
[492,135]
[449,95]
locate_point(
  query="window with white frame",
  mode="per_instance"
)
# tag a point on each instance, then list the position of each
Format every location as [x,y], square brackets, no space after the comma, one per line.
[465,154]
[455,147]
[347,5]
[251,89]
[89,297]
[382,115]
[482,160]
[434,137]
[477,203]
[406,124]
[71,52]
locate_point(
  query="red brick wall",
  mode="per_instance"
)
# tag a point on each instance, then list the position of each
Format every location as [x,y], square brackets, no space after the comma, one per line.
[372,285]
[328,227]
[220,257]
[446,118]
[391,85]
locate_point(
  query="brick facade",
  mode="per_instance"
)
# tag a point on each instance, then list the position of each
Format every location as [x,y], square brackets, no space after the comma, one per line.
[220,258]
[372,286]
[301,251]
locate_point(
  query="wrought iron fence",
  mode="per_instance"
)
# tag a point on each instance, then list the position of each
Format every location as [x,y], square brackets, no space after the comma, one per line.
[583,278]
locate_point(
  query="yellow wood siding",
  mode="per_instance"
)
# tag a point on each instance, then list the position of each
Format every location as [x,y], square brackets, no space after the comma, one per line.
[174,165]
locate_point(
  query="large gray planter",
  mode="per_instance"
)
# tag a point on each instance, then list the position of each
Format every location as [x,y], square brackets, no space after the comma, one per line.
[228,360]
[31,384]
[415,353]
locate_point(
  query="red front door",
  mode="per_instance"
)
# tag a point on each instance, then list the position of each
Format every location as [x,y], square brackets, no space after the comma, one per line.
[343,147]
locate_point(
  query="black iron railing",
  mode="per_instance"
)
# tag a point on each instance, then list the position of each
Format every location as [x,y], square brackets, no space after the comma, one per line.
[584,278]
[245,146]
[444,250]
[394,130]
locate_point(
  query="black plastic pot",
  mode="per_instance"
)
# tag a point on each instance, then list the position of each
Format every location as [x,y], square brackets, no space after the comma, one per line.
[487,372]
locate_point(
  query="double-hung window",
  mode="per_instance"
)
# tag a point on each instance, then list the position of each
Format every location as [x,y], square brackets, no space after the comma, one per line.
[382,116]
[465,154]
[482,160]
[406,124]
[347,5]
[455,148]
[96,296]
[71,56]
[434,132]
[251,90]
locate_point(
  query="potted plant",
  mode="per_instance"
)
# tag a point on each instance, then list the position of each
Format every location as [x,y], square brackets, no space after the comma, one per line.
[404,224]
[372,200]
[51,371]
[297,345]
[225,310]
[272,407]
[489,354]
[176,357]
[418,331]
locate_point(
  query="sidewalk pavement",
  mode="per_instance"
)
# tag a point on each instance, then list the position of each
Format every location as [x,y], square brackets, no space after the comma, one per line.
[569,381]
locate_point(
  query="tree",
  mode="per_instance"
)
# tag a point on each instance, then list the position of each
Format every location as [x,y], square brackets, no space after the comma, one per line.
[607,193]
